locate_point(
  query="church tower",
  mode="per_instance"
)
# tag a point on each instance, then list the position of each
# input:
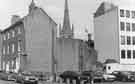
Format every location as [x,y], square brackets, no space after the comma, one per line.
[32,6]
[66,31]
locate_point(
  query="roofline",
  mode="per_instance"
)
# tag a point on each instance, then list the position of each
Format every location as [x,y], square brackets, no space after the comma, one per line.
[104,12]
[48,15]
[12,25]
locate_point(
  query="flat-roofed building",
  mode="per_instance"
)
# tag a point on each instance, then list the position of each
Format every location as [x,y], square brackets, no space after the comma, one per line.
[114,31]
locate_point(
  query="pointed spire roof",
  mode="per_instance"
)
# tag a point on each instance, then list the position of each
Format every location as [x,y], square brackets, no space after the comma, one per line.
[66,22]
[32,5]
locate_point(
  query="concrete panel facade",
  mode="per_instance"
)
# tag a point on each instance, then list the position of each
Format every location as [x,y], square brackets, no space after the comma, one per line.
[38,28]
[106,35]
[68,54]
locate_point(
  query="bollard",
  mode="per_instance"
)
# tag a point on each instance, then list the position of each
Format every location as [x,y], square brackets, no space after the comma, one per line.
[74,81]
[61,81]
[67,81]
[92,81]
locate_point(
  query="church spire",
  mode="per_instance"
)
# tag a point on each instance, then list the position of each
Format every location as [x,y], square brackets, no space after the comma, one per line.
[32,6]
[66,30]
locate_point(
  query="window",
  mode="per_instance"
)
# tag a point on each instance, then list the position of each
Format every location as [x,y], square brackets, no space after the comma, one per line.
[8,49]
[128,40]
[134,54]
[133,26]
[19,30]
[122,40]
[122,26]
[3,65]
[8,35]
[133,40]
[128,26]
[127,13]
[128,53]
[109,67]
[13,48]
[13,33]
[121,13]
[123,55]
[133,14]
[19,45]
[4,51]
[4,37]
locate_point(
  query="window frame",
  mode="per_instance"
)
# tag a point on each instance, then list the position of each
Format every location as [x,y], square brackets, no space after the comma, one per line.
[128,14]
[123,40]
[13,33]
[123,54]
[133,27]
[133,14]
[128,54]
[133,54]
[122,13]
[13,48]
[122,26]
[128,27]
[128,40]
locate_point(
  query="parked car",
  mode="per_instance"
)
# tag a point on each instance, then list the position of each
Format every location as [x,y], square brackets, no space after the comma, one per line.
[109,77]
[98,76]
[19,78]
[3,75]
[122,75]
[11,76]
[29,78]
[86,76]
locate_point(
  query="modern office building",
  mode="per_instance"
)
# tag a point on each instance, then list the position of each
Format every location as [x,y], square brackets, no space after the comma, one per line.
[114,31]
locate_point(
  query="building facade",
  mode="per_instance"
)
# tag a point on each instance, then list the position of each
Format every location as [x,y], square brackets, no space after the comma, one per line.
[27,43]
[13,46]
[71,53]
[114,33]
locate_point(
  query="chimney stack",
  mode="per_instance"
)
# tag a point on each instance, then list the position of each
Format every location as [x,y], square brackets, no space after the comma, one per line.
[15,18]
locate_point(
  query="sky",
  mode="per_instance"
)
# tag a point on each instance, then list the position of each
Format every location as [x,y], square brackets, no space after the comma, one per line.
[81,12]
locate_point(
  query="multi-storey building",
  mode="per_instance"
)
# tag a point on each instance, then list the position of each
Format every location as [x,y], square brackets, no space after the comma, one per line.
[13,46]
[114,28]
[28,44]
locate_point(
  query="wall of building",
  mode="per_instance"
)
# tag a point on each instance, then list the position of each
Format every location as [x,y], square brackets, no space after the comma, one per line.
[38,29]
[106,35]
[126,33]
[0,51]
[10,59]
[67,54]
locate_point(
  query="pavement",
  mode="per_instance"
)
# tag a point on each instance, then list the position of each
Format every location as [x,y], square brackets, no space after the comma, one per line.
[12,82]
[7,82]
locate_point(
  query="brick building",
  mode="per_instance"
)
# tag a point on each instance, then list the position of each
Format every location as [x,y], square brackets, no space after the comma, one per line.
[27,43]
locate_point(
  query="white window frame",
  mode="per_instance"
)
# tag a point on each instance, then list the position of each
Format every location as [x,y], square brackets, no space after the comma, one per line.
[13,48]
[13,33]
[19,46]
[8,49]
[4,37]
[8,35]
[19,30]
[4,51]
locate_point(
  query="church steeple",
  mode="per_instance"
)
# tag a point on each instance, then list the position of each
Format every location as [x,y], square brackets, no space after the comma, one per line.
[32,6]
[66,31]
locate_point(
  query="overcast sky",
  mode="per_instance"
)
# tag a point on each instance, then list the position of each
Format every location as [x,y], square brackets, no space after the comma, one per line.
[81,11]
